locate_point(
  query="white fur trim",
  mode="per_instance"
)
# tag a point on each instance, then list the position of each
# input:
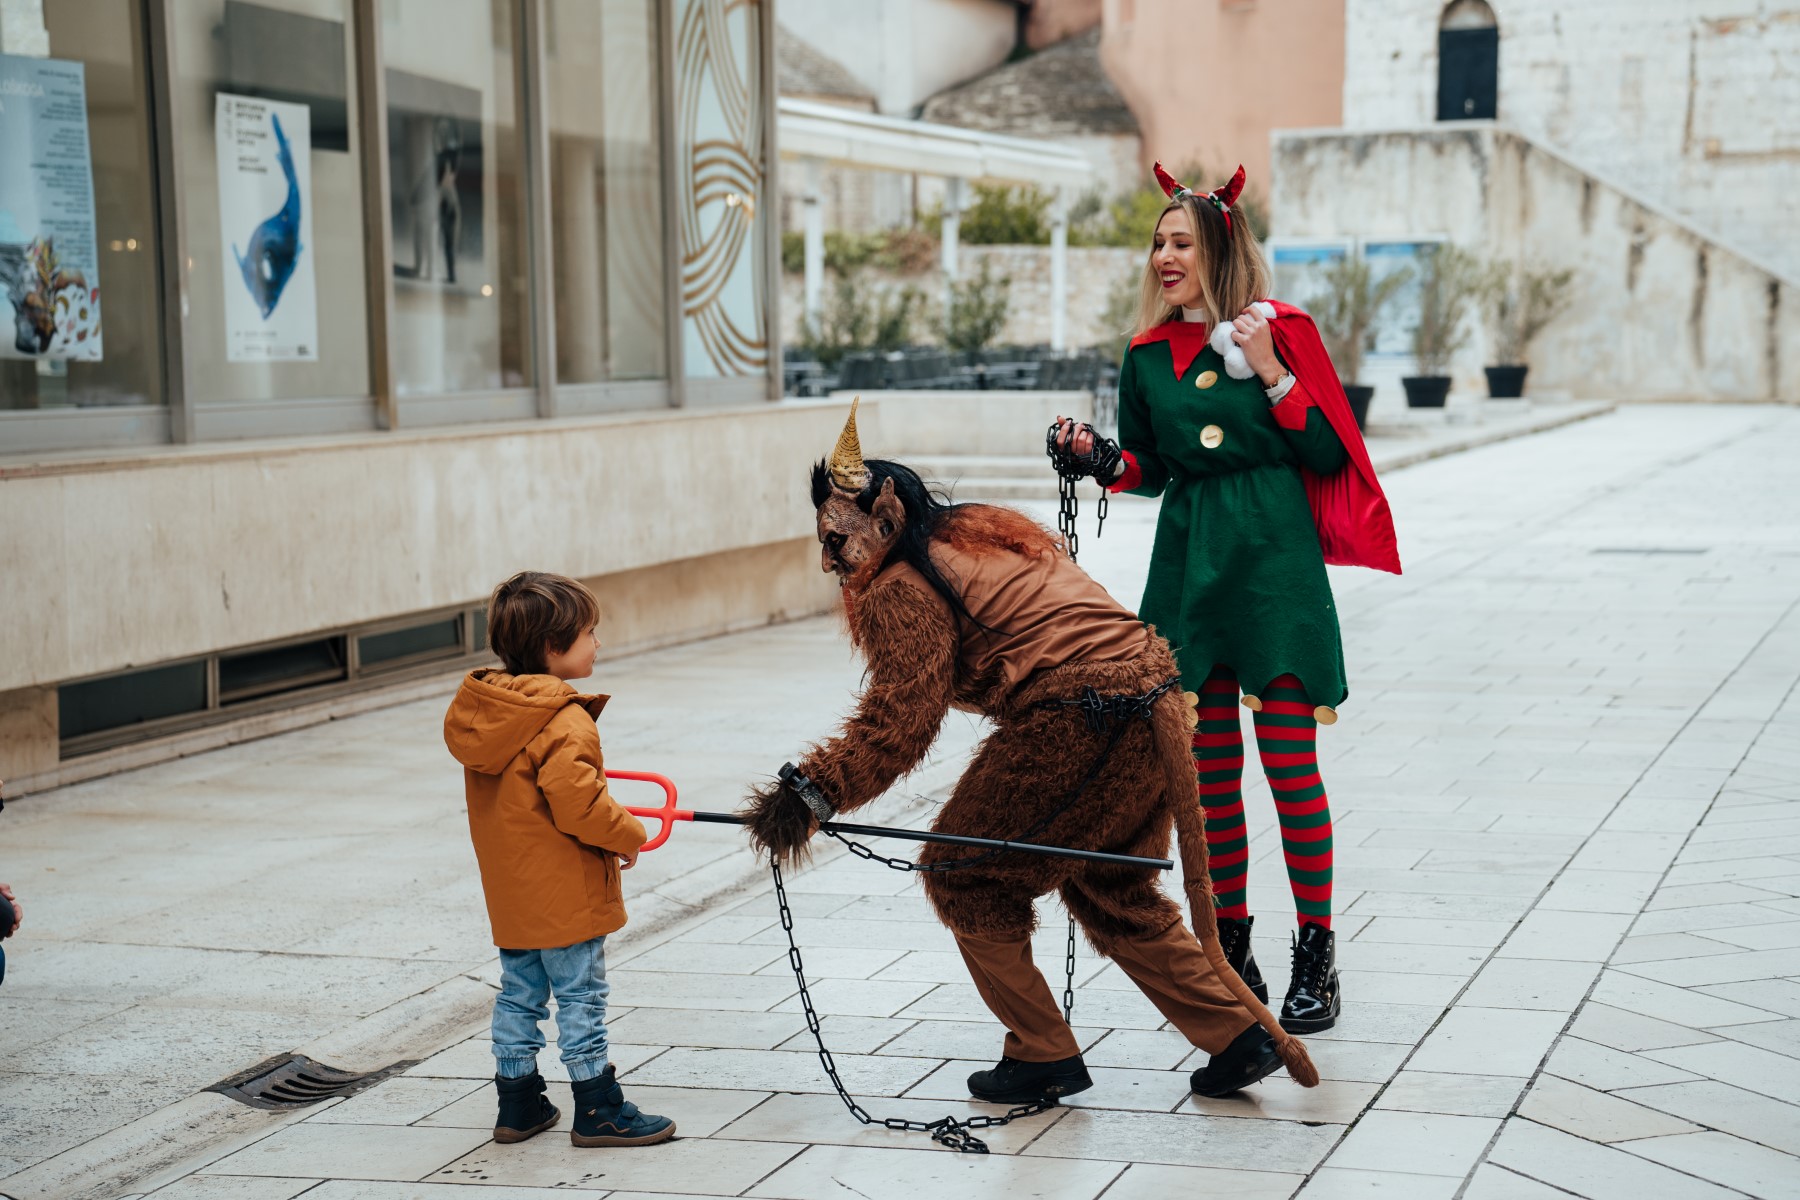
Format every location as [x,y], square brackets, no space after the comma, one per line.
[1265,308]
[1220,338]
[1236,365]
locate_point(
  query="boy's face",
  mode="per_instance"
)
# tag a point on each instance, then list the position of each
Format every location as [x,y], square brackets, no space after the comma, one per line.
[577,662]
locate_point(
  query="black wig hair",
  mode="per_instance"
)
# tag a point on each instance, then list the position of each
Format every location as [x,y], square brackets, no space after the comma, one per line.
[925,508]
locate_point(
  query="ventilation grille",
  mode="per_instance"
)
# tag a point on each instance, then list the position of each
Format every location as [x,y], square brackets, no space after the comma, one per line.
[294,1081]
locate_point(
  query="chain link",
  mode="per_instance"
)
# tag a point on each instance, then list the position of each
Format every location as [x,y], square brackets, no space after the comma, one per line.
[947,1131]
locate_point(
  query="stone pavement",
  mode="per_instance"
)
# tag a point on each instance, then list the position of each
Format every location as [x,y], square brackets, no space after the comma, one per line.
[1568,861]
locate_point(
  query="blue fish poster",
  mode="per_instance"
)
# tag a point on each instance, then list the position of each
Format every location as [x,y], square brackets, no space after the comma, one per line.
[265,230]
[49,262]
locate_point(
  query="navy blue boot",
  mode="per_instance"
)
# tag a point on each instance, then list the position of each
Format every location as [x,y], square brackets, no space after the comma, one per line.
[604,1117]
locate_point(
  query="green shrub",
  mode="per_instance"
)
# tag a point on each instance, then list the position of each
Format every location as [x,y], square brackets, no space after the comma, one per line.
[856,316]
[976,310]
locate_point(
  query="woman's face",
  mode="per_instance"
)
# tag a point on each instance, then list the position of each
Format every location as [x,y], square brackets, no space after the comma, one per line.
[1175,257]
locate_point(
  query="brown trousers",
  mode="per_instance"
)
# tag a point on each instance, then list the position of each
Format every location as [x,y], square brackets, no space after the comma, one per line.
[1169,968]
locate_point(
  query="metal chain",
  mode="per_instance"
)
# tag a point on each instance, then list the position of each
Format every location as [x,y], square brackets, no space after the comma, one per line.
[947,1131]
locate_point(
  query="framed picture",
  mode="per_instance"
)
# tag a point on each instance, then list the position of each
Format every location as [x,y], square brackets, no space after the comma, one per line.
[1393,339]
[1300,266]
[436,165]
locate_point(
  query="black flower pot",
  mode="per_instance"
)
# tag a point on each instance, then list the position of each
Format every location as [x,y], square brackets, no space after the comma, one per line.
[1359,396]
[1506,383]
[1426,391]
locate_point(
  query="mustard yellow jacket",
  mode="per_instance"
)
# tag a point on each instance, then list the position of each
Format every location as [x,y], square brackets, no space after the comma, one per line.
[545,828]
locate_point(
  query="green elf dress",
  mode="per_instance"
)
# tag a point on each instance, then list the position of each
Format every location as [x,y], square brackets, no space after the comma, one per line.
[1237,575]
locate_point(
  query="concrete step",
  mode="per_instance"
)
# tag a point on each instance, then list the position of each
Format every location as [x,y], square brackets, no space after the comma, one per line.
[989,477]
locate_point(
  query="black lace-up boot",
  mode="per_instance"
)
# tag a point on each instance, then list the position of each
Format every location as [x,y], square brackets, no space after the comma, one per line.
[524,1109]
[1011,1081]
[1313,998]
[1250,1057]
[1234,936]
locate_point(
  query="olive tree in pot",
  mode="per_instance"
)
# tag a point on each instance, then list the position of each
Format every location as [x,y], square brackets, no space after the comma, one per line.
[1450,280]
[1347,312]
[974,312]
[1520,303]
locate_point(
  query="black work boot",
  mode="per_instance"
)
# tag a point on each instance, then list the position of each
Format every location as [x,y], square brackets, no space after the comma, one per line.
[1313,998]
[524,1109]
[604,1117]
[1250,1057]
[1234,936]
[1011,1081]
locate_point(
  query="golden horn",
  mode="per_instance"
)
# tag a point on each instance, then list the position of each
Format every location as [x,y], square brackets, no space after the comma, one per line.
[847,468]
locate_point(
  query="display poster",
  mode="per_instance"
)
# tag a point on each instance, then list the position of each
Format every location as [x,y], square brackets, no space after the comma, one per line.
[1393,335]
[437,165]
[1300,269]
[265,230]
[49,258]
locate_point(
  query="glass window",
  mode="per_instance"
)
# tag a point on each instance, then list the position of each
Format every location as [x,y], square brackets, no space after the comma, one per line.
[131,698]
[273,192]
[606,193]
[115,261]
[720,98]
[457,205]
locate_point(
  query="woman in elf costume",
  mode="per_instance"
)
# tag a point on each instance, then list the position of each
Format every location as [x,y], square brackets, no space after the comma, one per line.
[1230,410]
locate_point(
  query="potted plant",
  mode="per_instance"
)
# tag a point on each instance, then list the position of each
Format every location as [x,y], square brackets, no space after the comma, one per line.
[1346,313]
[1450,280]
[1521,302]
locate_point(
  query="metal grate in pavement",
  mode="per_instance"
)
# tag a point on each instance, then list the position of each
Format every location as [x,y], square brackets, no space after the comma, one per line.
[294,1081]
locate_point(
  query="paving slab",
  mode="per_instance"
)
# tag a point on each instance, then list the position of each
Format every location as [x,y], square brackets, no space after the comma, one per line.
[1569,859]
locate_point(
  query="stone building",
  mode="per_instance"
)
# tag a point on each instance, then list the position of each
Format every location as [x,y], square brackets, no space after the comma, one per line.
[1650,147]
[1063,94]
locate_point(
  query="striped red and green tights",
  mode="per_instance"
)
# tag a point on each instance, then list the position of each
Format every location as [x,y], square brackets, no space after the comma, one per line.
[1285,732]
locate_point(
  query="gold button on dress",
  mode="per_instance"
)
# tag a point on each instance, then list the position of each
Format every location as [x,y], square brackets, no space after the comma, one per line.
[1212,437]
[1206,379]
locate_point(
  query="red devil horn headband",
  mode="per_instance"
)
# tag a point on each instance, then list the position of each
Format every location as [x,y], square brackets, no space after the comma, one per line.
[1221,198]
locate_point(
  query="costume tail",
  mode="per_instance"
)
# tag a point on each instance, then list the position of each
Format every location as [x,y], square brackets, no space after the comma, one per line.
[1173,744]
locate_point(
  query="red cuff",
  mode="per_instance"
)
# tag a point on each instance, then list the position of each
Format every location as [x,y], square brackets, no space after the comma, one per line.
[1290,414]
[1134,475]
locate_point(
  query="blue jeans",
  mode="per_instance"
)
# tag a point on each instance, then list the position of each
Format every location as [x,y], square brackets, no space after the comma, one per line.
[576,975]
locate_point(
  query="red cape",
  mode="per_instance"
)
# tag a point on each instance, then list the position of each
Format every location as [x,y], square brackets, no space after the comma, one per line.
[1356,527]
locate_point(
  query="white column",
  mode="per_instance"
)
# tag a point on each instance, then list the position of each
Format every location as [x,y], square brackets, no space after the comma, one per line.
[813,234]
[1059,271]
[953,202]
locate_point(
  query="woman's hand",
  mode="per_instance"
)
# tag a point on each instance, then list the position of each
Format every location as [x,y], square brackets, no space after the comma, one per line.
[1251,331]
[1083,435]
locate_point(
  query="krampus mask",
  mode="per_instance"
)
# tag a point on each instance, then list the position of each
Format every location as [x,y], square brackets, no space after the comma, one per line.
[859,523]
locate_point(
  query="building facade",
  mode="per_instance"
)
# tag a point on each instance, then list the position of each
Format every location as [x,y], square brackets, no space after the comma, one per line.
[391,298]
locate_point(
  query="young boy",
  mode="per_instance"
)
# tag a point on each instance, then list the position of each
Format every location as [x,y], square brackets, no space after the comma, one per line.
[550,841]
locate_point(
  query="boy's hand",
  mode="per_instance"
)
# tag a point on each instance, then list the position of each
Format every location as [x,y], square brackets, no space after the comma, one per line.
[627,861]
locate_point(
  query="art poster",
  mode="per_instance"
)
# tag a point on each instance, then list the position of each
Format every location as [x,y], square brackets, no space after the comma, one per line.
[265,230]
[1393,337]
[437,167]
[49,256]
[1300,270]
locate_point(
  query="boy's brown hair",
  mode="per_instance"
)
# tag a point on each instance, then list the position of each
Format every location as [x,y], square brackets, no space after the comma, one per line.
[535,608]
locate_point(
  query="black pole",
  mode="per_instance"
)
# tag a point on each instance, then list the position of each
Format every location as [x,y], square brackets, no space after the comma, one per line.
[957,839]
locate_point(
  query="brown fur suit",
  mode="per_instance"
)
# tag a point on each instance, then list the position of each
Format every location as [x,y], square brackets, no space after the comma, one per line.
[923,657]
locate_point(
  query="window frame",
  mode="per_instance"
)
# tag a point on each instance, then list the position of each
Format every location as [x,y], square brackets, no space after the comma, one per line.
[180,420]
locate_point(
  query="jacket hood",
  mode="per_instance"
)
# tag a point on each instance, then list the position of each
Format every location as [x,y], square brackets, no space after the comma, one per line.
[495,715]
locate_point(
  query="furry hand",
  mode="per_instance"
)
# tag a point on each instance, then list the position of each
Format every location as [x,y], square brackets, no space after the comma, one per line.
[779,823]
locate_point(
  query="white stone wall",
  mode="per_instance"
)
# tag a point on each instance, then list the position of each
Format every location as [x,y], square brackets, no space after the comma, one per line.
[1661,312]
[1694,104]
[1094,274]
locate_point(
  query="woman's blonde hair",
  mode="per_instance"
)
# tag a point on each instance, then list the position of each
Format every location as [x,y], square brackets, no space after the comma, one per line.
[1233,271]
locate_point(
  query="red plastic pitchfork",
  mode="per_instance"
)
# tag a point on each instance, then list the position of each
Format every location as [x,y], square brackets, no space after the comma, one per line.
[669,813]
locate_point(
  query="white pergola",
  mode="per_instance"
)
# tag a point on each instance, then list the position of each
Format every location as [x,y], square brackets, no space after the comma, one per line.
[818,134]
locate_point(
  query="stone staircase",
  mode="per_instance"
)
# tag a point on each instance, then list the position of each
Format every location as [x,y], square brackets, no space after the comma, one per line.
[989,476]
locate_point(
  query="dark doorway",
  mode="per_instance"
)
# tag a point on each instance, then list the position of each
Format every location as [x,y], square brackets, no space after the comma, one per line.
[1468,62]
[1468,74]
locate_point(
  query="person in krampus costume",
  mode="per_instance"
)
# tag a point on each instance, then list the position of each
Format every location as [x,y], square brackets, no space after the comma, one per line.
[977,606]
